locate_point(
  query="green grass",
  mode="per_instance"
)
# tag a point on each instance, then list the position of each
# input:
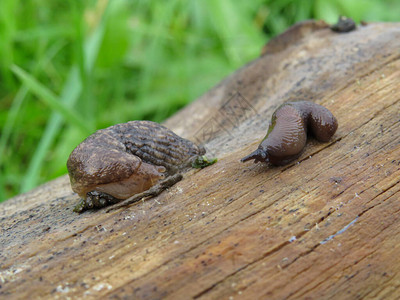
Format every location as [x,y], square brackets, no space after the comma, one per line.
[68,68]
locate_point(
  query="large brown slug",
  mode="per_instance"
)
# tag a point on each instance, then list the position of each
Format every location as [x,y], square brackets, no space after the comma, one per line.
[120,161]
[287,134]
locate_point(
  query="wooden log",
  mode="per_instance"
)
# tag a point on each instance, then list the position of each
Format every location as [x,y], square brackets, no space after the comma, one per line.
[326,226]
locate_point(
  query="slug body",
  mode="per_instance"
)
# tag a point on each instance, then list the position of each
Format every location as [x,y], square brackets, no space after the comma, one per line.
[343,25]
[287,134]
[120,161]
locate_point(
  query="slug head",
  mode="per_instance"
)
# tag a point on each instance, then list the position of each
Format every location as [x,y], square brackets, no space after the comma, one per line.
[259,156]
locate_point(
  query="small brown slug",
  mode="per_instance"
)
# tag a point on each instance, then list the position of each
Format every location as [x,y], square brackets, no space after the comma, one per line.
[120,161]
[287,133]
[343,25]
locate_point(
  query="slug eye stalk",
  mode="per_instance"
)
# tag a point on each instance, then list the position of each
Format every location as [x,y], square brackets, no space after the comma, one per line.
[258,156]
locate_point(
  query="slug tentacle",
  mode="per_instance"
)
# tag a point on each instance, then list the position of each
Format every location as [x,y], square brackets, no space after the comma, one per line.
[258,156]
[287,134]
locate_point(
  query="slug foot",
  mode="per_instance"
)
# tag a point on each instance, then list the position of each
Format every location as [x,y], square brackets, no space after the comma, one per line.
[95,199]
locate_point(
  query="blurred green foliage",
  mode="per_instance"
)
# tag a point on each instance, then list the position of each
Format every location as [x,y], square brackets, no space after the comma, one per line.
[70,67]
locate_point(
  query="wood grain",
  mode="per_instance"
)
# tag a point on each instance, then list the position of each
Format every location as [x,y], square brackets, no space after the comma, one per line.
[325,227]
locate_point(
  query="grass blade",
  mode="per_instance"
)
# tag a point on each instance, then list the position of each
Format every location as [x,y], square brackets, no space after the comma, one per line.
[69,96]
[50,99]
[72,90]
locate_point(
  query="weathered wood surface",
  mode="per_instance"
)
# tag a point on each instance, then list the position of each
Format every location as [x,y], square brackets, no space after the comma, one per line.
[325,227]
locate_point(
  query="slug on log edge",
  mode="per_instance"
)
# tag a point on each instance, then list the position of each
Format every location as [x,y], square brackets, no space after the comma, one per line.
[287,134]
[120,161]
